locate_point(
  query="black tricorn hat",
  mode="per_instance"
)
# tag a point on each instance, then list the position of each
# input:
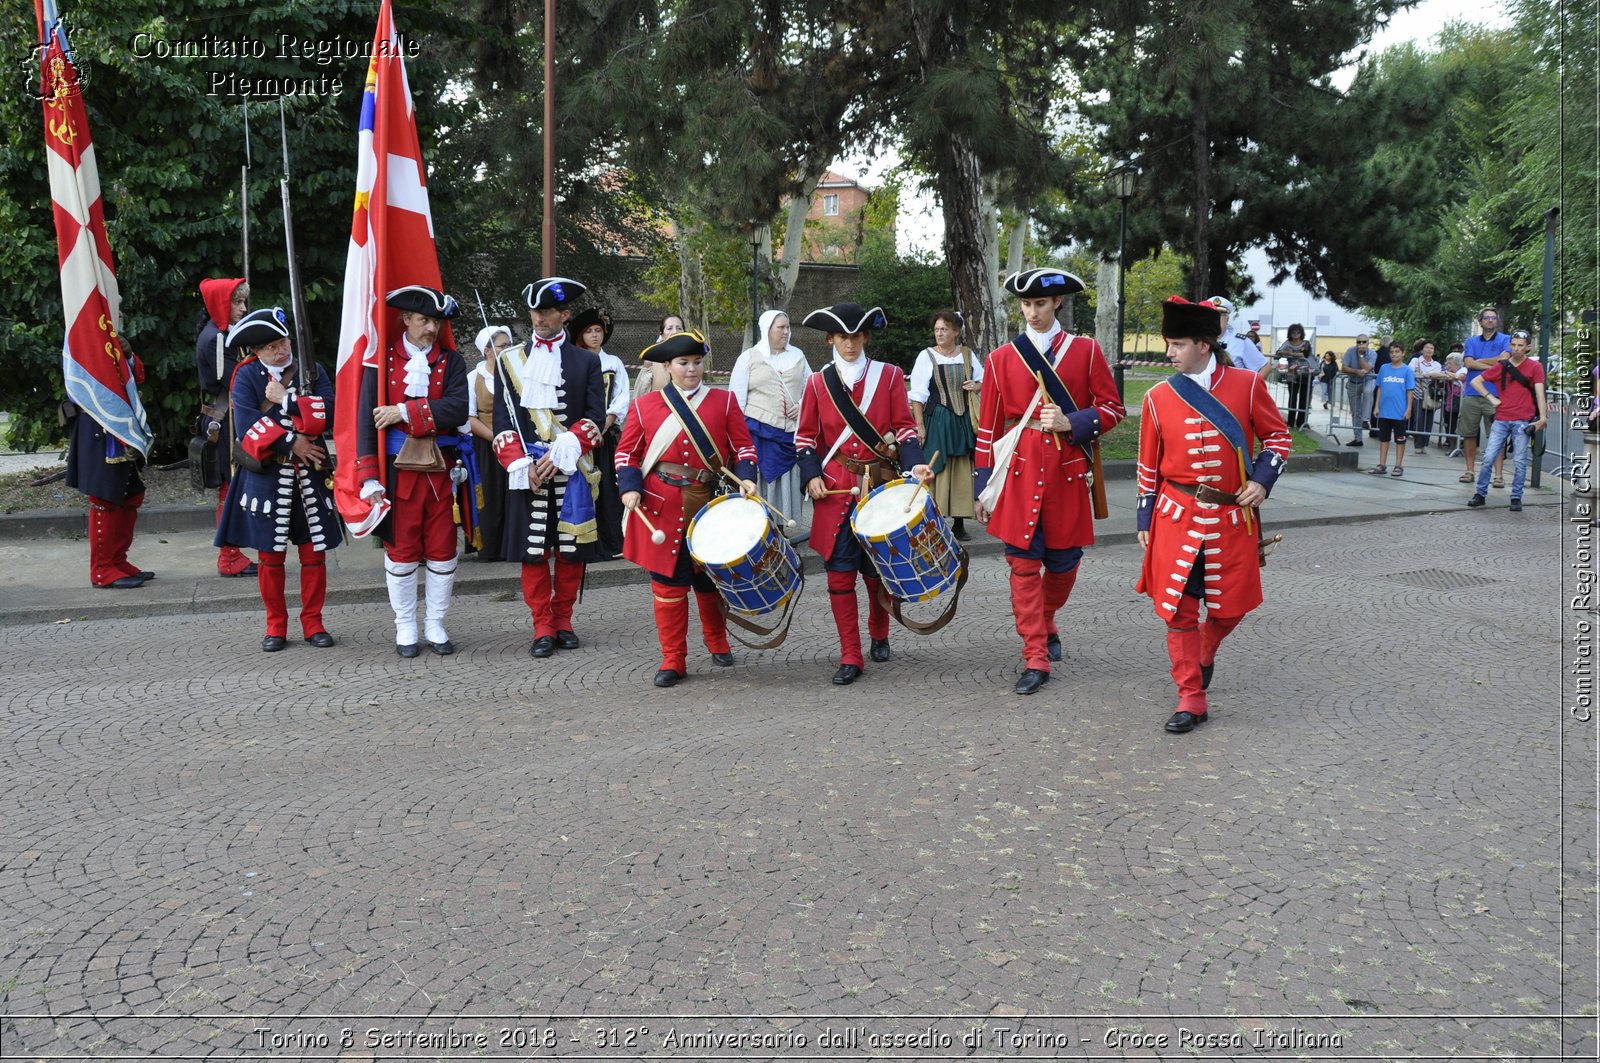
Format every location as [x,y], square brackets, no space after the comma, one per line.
[547,293]
[678,345]
[258,328]
[420,299]
[846,318]
[1047,280]
[1181,319]
[592,316]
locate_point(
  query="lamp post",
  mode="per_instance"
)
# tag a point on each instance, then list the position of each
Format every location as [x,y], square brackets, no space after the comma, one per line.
[1120,182]
[755,281]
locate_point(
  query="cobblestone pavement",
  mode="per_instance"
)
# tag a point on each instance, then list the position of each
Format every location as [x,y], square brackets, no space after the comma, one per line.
[205,850]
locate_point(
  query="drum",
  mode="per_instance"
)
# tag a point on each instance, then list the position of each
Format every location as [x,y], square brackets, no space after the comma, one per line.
[750,561]
[915,553]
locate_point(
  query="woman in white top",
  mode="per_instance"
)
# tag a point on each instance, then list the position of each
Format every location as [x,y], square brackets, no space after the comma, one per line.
[769,380]
[1433,381]
[941,381]
[590,330]
[490,494]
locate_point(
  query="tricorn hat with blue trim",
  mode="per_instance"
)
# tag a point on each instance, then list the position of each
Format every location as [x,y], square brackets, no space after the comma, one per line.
[678,345]
[258,328]
[420,299]
[548,293]
[1181,319]
[846,318]
[1034,283]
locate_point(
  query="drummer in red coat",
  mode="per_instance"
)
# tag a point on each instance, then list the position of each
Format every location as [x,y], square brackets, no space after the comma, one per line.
[855,430]
[1199,489]
[1041,507]
[674,444]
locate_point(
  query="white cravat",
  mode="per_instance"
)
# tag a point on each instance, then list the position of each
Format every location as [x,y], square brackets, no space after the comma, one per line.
[417,371]
[1041,340]
[541,374]
[1203,378]
[276,371]
[850,372]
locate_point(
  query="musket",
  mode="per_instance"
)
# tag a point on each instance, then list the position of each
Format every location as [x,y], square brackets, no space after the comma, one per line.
[302,327]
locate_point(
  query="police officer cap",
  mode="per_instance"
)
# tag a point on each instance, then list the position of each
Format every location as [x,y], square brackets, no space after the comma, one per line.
[420,299]
[548,293]
[678,345]
[258,328]
[1034,283]
[846,318]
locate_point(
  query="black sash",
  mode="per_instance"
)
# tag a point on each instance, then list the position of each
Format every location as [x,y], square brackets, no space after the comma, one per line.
[851,412]
[699,434]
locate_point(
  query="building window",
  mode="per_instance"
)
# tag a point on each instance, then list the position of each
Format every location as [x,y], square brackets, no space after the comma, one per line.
[830,206]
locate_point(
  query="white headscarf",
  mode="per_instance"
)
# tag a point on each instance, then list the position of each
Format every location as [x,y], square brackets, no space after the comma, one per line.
[486,337]
[782,358]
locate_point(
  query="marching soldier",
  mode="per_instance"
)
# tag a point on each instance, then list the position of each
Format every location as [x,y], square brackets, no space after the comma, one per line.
[549,405]
[280,495]
[676,442]
[424,402]
[1199,489]
[855,431]
[1047,396]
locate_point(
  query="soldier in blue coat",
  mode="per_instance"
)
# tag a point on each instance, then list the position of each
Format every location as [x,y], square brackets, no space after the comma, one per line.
[279,494]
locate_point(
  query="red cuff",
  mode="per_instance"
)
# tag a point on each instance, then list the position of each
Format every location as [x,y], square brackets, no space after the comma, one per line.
[419,418]
[366,468]
[261,436]
[508,448]
[311,415]
[588,434]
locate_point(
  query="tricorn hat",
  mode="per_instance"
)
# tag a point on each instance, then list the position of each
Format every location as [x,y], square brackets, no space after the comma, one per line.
[846,318]
[678,345]
[420,299]
[258,328]
[1181,319]
[1034,283]
[548,293]
[580,322]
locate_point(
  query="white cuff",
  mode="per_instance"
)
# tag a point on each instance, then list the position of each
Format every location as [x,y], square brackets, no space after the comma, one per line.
[519,464]
[565,452]
[405,414]
[517,474]
[369,489]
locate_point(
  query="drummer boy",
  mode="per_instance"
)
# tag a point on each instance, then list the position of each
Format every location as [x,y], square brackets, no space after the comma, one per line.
[855,432]
[675,445]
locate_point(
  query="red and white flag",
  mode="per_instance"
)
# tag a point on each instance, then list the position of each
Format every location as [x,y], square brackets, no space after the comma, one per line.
[101,375]
[391,245]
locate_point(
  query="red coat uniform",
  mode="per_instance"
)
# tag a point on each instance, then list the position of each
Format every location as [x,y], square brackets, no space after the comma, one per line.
[1179,446]
[1045,486]
[662,502]
[820,424]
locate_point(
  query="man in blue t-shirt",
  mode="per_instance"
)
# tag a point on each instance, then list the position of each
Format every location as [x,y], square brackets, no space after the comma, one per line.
[1395,382]
[1483,351]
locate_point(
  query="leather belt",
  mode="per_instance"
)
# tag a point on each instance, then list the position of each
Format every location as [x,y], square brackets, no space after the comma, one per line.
[860,468]
[1203,493]
[1032,423]
[671,472]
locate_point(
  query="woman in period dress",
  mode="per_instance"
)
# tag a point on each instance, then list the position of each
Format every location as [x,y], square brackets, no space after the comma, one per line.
[768,380]
[944,383]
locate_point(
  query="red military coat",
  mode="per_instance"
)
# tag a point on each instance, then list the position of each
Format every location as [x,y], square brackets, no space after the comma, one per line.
[1178,445]
[889,411]
[663,502]
[1045,486]
[441,413]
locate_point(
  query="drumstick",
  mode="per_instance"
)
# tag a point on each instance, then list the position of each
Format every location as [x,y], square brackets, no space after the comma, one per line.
[776,512]
[657,536]
[1045,394]
[913,499]
[854,490]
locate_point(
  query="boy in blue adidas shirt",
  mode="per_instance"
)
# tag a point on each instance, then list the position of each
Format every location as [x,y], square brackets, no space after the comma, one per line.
[1394,399]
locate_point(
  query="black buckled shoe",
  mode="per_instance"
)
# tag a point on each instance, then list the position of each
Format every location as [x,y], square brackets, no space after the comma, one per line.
[722,660]
[543,646]
[567,640]
[667,677]
[443,649]
[1205,675]
[1052,646]
[1184,722]
[407,652]
[145,574]
[1031,680]
[847,674]
[880,650]
[122,583]
[320,639]
[273,643]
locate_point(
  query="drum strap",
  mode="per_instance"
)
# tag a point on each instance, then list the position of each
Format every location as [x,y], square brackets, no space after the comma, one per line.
[856,422]
[778,631]
[893,604]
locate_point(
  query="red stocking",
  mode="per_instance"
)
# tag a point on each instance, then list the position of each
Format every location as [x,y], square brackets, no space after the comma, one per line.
[536,593]
[877,611]
[313,588]
[270,578]
[672,626]
[1027,609]
[569,578]
[842,596]
[713,625]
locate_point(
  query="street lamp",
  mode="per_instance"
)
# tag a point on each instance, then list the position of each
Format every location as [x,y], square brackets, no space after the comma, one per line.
[1120,182]
[755,281]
